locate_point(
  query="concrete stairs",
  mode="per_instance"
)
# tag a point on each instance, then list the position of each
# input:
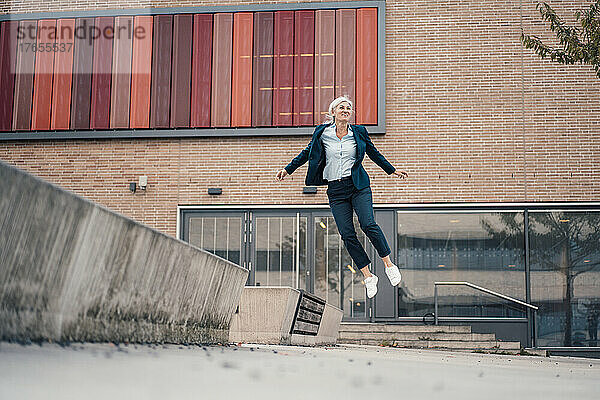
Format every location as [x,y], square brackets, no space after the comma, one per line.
[424,337]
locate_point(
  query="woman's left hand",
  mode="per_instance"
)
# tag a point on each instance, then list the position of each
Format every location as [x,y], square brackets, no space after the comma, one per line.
[402,174]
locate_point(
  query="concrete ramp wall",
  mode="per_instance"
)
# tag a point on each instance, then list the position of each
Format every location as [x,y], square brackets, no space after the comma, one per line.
[71,270]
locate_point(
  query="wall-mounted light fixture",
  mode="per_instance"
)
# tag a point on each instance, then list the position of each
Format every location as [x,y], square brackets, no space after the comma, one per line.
[215,191]
[143,182]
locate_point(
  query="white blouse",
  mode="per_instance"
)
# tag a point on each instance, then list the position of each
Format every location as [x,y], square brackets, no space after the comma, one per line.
[340,153]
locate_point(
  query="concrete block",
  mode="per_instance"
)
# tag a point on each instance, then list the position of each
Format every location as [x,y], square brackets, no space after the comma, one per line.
[266,315]
[72,270]
[330,325]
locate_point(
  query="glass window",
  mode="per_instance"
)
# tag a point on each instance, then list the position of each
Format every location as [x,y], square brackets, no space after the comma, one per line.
[486,249]
[565,276]
[255,69]
[278,251]
[337,279]
[219,235]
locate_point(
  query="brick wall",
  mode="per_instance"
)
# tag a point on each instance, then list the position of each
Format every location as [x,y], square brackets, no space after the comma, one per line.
[471,116]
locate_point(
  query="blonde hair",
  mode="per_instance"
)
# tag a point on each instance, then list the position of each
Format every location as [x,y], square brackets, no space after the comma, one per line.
[336,102]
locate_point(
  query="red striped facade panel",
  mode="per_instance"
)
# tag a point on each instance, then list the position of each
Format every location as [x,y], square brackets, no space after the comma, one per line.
[304,49]
[8,58]
[241,85]
[181,71]
[24,68]
[101,74]
[141,72]
[63,75]
[44,71]
[220,115]
[120,93]
[324,63]
[81,90]
[366,66]
[160,96]
[262,82]
[283,68]
[345,53]
[201,71]
[260,69]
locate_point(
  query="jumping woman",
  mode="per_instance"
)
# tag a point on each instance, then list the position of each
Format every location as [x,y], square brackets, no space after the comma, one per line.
[334,156]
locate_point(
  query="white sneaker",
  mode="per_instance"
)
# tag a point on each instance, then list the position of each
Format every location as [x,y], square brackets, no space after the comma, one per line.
[371,284]
[394,274]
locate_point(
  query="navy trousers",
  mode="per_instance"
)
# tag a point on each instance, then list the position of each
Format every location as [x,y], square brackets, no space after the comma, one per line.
[343,199]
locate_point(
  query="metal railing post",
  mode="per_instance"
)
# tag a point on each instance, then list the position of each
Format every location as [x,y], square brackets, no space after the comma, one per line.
[435,304]
[534,334]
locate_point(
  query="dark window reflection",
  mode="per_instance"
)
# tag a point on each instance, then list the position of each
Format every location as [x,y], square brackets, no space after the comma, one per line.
[565,276]
[278,262]
[218,235]
[337,279]
[482,248]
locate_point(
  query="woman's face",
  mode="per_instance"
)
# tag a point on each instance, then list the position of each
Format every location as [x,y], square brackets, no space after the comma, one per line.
[343,112]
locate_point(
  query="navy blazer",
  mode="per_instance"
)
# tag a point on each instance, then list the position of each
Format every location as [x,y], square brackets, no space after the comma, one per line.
[314,153]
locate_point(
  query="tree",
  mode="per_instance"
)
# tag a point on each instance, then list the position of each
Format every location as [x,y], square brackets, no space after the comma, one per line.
[577,44]
[566,242]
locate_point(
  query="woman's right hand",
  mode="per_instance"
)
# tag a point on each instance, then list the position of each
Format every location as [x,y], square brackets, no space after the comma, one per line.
[282,173]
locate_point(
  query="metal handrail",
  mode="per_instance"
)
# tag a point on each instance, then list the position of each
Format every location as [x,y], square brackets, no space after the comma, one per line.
[482,289]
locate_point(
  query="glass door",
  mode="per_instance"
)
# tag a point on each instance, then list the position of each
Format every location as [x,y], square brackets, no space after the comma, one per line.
[336,278]
[278,248]
[274,245]
[222,233]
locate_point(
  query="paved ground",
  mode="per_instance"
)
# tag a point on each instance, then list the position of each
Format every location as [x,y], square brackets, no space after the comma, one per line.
[104,371]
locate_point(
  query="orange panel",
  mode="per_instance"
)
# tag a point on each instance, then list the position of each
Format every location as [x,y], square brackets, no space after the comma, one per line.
[283,68]
[160,92]
[181,71]
[101,74]
[324,62]
[220,105]
[44,69]
[241,87]
[121,73]
[83,56]
[63,74]
[201,70]
[8,57]
[304,66]
[24,68]
[345,53]
[141,66]
[262,70]
[366,66]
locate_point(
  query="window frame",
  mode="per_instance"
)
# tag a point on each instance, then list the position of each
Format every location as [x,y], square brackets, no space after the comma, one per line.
[208,132]
[527,324]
